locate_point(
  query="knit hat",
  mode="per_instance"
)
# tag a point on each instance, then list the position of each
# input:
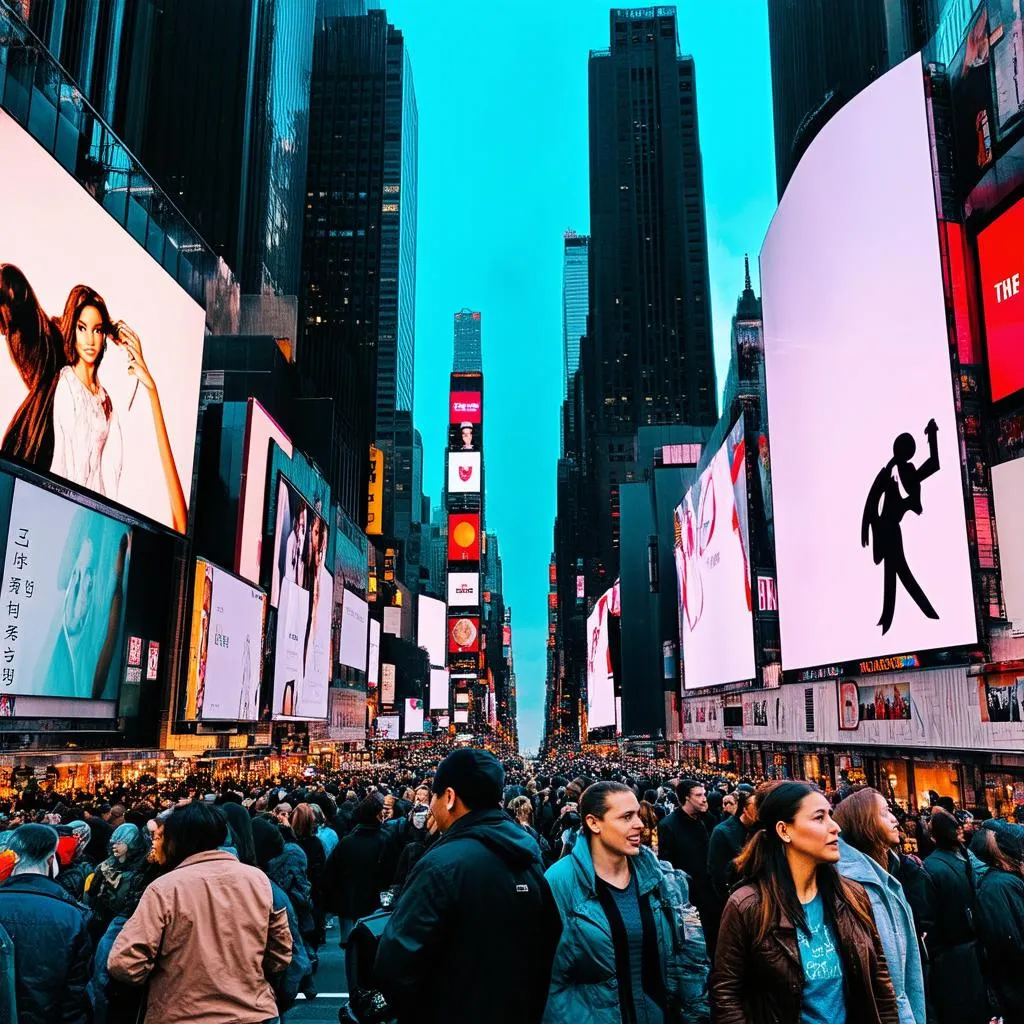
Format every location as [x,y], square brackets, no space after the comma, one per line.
[1010,840]
[476,776]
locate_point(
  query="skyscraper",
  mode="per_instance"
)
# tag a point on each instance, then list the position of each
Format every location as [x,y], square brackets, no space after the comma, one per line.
[575,302]
[468,346]
[648,358]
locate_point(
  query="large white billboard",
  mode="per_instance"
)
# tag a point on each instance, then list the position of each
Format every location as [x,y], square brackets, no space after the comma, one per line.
[432,629]
[712,553]
[870,528]
[354,616]
[100,349]
[226,649]
[439,685]
[1008,493]
[463,589]
[463,472]
[413,715]
[600,678]
[373,655]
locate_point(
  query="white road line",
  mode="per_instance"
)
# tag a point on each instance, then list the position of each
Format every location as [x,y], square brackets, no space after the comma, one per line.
[325,995]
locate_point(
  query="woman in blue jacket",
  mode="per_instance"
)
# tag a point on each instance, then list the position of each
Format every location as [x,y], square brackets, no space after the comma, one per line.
[632,950]
[870,831]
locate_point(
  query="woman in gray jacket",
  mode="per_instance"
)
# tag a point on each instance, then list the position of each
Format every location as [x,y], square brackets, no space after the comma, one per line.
[870,831]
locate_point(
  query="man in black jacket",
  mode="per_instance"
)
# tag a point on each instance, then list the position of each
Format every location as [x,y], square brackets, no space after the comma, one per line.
[50,934]
[727,840]
[683,840]
[476,902]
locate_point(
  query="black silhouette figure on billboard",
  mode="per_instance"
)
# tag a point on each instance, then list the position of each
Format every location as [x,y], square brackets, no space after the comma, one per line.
[896,491]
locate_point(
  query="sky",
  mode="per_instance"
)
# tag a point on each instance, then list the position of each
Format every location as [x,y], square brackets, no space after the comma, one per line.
[501,87]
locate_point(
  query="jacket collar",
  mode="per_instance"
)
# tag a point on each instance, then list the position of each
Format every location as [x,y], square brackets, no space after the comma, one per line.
[208,856]
[644,864]
[859,867]
[32,880]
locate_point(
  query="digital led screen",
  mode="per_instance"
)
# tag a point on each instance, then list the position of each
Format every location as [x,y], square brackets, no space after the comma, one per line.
[354,616]
[305,589]
[1008,492]
[465,407]
[393,620]
[226,647]
[101,349]
[439,685]
[712,554]
[259,432]
[388,727]
[1001,262]
[600,678]
[65,573]
[430,629]
[413,715]
[463,590]
[464,538]
[373,654]
[464,472]
[463,634]
[375,502]
[866,474]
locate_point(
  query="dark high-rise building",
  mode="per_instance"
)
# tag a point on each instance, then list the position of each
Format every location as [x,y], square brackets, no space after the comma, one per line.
[468,356]
[648,357]
[575,301]
[824,52]
[359,250]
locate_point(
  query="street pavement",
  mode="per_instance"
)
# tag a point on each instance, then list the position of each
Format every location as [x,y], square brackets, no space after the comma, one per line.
[331,983]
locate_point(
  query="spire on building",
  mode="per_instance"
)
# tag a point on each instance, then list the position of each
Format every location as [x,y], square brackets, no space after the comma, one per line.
[749,305]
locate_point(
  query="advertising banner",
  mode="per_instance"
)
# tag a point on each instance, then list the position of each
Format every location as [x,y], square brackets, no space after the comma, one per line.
[347,718]
[413,715]
[387,684]
[465,407]
[65,573]
[463,590]
[1001,261]
[375,502]
[430,629]
[393,620]
[865,491]
[712,553]
[387,727]
[354,615]
[463,472]
[100,349]
[464,538]
[225,659]
[600,678]
[252,500]
[463,634]
[302,661]
[373,655]
[461,716]
[1008,492]
[439,689]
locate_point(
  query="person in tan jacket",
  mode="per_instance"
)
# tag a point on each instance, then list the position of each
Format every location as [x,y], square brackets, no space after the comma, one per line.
[205,935]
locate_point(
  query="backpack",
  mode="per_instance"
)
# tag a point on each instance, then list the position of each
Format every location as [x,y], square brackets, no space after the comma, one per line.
[366,1004]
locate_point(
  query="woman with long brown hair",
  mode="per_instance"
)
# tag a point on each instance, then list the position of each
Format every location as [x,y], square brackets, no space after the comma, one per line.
[797,942]
[870,831]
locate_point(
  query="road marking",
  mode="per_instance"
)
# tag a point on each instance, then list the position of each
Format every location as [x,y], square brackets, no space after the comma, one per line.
[325,995]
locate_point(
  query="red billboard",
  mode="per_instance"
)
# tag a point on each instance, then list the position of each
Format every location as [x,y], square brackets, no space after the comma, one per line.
[1001,259]
[465,407]
[463,634]
[464,538]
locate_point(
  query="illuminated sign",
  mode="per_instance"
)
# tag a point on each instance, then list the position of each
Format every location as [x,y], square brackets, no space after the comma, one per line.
[463,634]
[465,407]
[464,538]
[375,500]
[463,472]
[896,663]
[463,589]
[1001,260]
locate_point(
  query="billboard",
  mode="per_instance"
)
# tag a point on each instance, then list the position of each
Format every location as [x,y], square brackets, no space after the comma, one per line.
[464,438]
[463,589]
[413,715]
[102,349]
[461,716]
[600,678]
[65,572]
[464,538]
[354,615]
[1001,262]
[387,727]
[1008,492]
[430,629]
[712,554]
[439,689]
[260,430]
[225,657]
[373,654]
[463,634]
[465,407]
[393,620]
[304,591]
[375,498]
[387,683]
[463,472]
[866,473]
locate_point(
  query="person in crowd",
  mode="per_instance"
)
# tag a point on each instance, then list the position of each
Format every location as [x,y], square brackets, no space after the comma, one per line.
[48,930]
[115,888]
[727,842]
[728,806]
[649,818]
[240,837]
[304,827]
[357,872]
[76,871]
[956,987]
[869,834]
[480,887]
[622,958]
[1000,917]
[797,942]
[416,848]
[683,840]
[521,809]
[715,814]
[198,967]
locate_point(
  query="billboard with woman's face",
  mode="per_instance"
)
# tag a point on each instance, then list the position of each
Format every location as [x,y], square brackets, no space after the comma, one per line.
[100,349]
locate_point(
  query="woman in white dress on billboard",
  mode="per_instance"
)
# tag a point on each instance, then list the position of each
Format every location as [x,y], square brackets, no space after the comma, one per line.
[87,432]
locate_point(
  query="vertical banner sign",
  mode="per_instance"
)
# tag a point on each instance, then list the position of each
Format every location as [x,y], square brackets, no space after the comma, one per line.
[375,498]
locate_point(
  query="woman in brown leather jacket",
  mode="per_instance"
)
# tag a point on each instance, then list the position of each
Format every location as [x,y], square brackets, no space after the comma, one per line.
[798,944]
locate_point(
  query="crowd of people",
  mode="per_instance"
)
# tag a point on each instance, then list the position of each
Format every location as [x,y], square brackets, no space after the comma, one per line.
[470,890]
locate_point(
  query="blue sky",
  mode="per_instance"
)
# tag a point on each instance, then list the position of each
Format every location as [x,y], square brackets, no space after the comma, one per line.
[503,171]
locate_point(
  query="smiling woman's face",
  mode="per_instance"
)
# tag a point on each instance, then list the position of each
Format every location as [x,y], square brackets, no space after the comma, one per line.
[89,335]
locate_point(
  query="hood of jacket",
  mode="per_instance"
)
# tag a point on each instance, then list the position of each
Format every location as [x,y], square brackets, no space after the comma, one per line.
[859,867]
[500,834]
[644,864]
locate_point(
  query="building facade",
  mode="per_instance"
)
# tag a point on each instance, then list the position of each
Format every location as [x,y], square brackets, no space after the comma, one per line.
[468,357]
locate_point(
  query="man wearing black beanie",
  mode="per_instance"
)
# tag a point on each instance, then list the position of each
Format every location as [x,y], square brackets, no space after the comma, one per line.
[476,903]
